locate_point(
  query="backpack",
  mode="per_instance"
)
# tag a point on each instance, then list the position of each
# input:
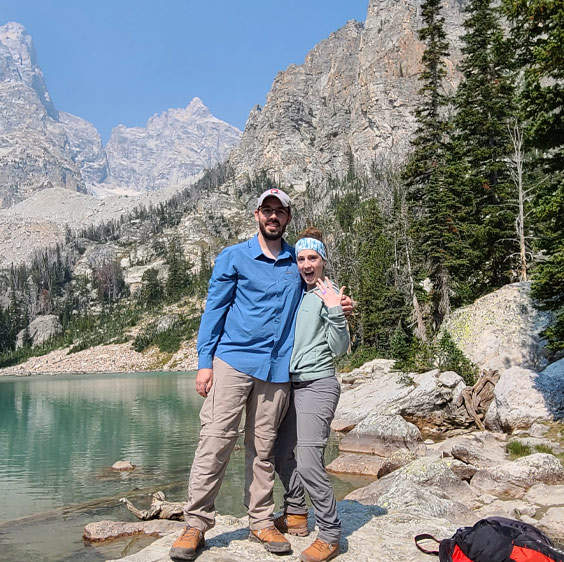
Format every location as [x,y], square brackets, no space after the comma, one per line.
[495,539]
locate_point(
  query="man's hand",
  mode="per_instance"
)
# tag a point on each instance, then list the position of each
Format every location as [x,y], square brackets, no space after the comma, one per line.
[347,305]
[204,381]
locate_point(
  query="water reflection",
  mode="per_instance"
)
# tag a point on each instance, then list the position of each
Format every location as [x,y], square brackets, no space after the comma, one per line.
[60,434]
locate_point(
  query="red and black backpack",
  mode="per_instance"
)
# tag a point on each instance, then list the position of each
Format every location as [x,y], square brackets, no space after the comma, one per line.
[495,539]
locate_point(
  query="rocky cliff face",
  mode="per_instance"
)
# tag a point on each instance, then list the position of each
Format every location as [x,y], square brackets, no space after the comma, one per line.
[172,148]
[34,148]
[355,92]
[86,148]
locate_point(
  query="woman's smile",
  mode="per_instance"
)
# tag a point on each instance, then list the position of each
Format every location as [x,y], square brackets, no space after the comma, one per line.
[310,265]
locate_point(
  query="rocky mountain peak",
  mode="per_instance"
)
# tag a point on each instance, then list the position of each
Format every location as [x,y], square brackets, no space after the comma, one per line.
[175,146]
[44,148]
[18,62]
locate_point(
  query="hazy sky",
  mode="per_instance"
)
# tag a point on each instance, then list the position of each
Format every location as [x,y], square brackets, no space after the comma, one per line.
[121,61]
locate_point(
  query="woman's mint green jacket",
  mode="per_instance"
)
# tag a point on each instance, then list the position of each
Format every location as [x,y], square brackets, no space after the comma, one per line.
[321,334]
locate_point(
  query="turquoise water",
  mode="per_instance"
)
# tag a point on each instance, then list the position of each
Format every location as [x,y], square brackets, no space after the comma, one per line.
[60,434]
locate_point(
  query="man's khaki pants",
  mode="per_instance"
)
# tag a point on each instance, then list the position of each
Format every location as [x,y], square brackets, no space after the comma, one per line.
[265,404]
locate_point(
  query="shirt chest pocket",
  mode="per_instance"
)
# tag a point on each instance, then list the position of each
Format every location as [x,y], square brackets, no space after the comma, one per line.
[292,278]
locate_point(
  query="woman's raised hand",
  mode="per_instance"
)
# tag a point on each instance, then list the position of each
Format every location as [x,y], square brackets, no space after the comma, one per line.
[326,292]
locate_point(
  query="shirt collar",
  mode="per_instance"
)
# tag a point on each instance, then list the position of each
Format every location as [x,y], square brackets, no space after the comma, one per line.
[287,251]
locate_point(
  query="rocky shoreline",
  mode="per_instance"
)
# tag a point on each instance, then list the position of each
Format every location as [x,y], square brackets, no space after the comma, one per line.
[113,358]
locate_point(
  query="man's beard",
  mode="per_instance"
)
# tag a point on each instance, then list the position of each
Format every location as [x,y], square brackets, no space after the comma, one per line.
[271,235]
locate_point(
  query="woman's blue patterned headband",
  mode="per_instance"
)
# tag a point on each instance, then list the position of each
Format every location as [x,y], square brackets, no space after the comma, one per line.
[311,244]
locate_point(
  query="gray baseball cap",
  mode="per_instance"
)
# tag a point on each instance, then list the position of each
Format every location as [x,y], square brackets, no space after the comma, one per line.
[274,192]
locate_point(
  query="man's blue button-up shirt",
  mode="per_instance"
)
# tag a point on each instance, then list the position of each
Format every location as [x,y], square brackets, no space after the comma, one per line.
[250,312]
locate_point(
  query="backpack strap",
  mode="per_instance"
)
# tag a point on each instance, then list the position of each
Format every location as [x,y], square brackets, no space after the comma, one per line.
[423,537]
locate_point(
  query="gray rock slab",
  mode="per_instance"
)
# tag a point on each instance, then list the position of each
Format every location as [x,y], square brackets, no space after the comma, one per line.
[106,530]
[382,435]
[369,534]
[425,486]
[515,478]
[428,401]
[518,401]
[350,463]
[514,509]
[480,448]
[396,460]
[552,523]
[545,495]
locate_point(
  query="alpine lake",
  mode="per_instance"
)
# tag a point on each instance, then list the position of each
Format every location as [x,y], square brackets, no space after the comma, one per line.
[59,436]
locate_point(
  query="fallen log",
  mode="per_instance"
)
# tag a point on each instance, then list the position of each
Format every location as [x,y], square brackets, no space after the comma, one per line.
[160,509]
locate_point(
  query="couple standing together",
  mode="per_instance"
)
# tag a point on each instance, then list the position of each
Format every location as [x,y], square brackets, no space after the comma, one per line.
[271,327]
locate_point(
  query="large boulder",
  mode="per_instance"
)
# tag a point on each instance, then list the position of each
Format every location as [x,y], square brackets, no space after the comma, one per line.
[425,487]
[545,495]
[40,330]
[371,370]
[502,330]
[382,435]
[109,530]
[551,385]
[426,399]
[518,401]
[480,448]
[515,478]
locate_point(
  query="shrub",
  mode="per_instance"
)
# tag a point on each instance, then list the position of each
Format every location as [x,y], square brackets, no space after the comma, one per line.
[168,341]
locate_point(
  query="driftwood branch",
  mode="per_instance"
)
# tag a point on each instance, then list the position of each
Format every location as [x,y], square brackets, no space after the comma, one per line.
[160,508]
[474,401]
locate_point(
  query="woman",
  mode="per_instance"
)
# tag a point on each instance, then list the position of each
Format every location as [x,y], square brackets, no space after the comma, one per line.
[321,334]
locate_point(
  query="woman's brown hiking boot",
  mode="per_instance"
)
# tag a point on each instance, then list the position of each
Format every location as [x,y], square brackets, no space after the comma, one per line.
[271,539]
[292,523]
[319,551]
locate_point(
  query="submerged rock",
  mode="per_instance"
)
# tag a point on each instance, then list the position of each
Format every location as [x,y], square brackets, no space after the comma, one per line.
[123,466]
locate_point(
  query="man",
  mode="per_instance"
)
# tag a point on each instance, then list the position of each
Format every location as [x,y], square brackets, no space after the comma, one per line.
[244,349]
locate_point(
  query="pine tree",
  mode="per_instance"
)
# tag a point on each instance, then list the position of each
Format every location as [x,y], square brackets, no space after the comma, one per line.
[537,27]
[381,304]
[484,105]
[438,201]
[179,278]
[6,341]
[152,292]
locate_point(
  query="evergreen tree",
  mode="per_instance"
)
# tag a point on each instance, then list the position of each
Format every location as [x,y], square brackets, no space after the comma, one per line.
[538,33]
[5,331]
[179,278]
[151,290]
[484,105]
[381,304]
[438,201]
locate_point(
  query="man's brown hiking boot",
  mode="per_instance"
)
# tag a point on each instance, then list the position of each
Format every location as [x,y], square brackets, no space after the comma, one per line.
[292,523]
[272,539]
[319,551]
[185,547]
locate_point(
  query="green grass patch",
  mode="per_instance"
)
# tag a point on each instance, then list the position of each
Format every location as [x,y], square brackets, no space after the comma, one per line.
[544,449]
[517,449]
